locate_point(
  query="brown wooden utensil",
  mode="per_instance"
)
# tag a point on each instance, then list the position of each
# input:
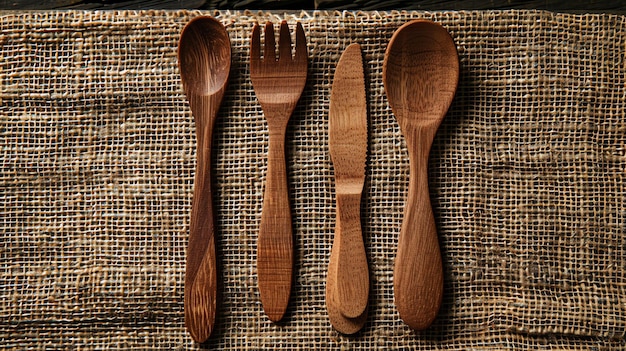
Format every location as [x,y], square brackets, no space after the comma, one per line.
[347,129]
[340,322]
[420,75]
[278,83]
[204,63]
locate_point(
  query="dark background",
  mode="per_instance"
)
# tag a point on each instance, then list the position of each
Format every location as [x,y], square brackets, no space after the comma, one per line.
[575,6]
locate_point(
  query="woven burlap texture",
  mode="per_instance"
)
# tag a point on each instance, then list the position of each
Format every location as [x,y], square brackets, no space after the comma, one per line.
[97,155]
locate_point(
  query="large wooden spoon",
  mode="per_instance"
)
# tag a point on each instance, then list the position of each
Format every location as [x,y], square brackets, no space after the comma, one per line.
[420,75]
[204,62]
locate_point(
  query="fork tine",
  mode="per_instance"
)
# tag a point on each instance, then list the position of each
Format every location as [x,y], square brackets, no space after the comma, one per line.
[255,47]
[301,49]
[270,43]
[284,43]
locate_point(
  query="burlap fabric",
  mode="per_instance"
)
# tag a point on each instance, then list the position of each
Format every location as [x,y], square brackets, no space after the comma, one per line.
[97,154]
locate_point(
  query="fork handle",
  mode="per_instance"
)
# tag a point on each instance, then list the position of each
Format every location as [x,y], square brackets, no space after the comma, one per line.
[275,242]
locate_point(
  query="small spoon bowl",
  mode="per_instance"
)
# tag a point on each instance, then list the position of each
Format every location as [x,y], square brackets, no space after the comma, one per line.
[420,75]
[204,63]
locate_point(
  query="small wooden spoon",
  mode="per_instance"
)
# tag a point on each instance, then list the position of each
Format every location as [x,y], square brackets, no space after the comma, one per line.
[204,63]
[420,75]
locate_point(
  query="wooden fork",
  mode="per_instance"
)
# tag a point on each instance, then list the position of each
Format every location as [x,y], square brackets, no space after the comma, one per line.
[278,83]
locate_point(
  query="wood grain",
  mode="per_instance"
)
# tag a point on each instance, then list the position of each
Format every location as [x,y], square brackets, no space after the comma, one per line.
[278,83]
[340,322]
[348,150]
[204,62]
[201,272]
[352,270]
[420,75]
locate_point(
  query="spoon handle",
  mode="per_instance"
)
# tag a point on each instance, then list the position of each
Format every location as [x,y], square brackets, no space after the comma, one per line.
[352,271]
[275,243]
[418,272]
[201,272]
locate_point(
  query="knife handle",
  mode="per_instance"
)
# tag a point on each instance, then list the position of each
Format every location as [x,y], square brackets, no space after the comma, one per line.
[201,272]
[275,242]
[418,270]
[352,271]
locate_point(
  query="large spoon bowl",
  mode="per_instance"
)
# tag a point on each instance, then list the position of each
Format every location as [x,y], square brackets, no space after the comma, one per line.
[420,75]
[204,62]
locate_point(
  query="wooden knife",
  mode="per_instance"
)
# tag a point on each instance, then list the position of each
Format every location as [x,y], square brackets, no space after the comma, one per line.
[347,126]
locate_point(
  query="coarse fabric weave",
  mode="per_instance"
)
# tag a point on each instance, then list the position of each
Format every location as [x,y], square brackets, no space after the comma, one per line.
[97,157]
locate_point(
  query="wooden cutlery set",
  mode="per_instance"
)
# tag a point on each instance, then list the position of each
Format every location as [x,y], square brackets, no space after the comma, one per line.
[420,75]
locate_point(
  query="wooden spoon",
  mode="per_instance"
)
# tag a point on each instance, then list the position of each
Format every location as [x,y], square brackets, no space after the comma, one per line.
[204,63]
[420,75]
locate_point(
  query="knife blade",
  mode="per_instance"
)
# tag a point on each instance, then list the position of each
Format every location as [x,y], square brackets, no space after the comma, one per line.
[348,151]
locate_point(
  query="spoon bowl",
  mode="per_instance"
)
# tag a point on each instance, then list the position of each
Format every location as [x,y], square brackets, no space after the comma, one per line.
[204,63]
[204,56]
[420,75]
